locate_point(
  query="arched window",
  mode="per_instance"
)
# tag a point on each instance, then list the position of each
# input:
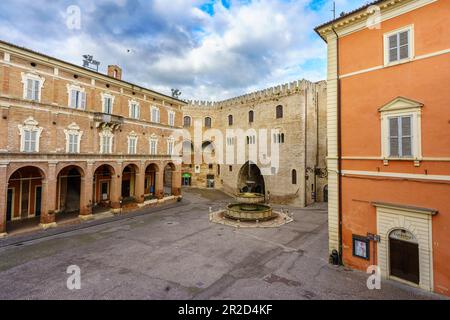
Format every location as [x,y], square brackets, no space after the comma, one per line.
[208,122]
[187,122]
[279,112]
[282,138]
[230,120]
[251,116]
[294,176]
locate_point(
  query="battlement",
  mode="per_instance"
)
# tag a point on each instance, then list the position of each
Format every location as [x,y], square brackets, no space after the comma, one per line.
[265,94]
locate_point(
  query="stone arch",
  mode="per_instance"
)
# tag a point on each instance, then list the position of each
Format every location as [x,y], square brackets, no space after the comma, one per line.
[168,178]
[129,182]
[70,189]
[152,175]
[250,179]
[104,178]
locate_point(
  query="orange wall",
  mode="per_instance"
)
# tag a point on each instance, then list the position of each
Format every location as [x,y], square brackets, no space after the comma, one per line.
[360,217]
[425,80]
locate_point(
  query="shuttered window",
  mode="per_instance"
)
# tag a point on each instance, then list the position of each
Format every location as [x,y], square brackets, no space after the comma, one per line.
[106,144]
[153,147]
[77,99]
[30,141]
[32,89]
[400,136]
[107,105]
[155,115]
[73,143]
[132,142]
[399,46]
[134,111]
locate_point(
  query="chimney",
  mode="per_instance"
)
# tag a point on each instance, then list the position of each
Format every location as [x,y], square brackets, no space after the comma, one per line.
[115,72]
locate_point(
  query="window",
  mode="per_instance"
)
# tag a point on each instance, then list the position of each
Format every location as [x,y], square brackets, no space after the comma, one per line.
[400,136]
[73,137]
[154,145]
[106,140]
[230,168]
[251,139]
[251,116]
[399,45]
[187,122]
[77,97]
[294,176]
[135,110]
[30,135]
[210,166]
[132,143]
[278,138]
[32,86]
[279,112]
[400,129]
[155,115]
[170,146]
[230,141]
[107,102]
[171,118]
[208,122]
[230,120]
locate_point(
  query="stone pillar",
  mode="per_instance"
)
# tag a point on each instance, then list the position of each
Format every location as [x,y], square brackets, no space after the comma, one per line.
[139,186]
[159,183]
[87,191]
[116,188]
[3,194]
[176,182]
[48,218]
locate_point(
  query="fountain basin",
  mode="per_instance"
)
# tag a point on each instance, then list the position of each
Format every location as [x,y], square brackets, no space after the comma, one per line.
[249,212]
[250,198]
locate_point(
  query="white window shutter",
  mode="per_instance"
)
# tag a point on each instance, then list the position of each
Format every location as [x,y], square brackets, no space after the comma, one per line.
[36,90]
[393,137]
[83,100]
[29,89]
[406,136]
[404,45]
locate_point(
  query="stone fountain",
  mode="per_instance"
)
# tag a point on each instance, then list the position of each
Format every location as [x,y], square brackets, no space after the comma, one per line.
[250,207]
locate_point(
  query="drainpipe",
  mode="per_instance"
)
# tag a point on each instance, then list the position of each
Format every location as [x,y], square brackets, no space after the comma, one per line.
[339,145]
[306,148]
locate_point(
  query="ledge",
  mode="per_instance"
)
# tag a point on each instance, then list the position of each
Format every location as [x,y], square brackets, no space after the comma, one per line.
[413,209]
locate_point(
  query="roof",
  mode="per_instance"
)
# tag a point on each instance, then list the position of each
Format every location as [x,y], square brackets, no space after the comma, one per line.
[364,7]
[90,71]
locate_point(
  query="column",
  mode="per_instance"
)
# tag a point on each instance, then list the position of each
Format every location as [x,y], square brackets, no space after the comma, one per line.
[116,188]
[139,191]
[3,194]
[159,184]
[176,182]
[48,218]
[87,191]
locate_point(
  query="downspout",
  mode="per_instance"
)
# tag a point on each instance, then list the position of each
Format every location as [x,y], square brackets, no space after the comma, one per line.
[306,148]
[339,146]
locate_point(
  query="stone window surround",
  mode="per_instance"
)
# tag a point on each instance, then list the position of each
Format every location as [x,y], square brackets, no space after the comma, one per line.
[170,140]
[132,103]
[386,36]
[106,132]
[133,136]
[73,129]
[169,114]
[396,108]
[153,138]
[32,76]
[31,125]
[77,87]
[105,95]
[155,108]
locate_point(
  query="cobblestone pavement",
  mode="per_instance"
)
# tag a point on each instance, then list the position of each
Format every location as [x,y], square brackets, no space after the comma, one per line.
[176,253]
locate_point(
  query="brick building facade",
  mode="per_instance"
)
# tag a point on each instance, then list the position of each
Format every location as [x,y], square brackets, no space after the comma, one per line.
[73,139]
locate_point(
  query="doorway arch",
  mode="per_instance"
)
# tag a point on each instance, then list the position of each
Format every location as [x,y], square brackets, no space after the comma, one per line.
[102,185]
[250,179]
[169,170]
[151,175]
[129,183]
[69,190]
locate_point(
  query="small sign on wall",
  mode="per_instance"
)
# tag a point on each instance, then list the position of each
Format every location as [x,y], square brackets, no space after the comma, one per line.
[361,247]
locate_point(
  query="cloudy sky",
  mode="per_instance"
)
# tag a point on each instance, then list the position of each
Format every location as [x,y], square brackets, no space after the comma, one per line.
[209,49]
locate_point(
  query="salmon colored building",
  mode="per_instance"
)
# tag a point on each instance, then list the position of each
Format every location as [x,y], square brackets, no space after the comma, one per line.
[389,140]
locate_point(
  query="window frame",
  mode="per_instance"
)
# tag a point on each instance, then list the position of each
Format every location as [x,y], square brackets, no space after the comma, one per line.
[132,137]
[158,114]
[73,130]
[171,118]
[386,47]
[81,104]
[30,125]
[32,77]
[279,107]
[170,146]
[208,126]
[112,98]
[153,139]
[106,133]
[184,121]
[134,110]
[230,120]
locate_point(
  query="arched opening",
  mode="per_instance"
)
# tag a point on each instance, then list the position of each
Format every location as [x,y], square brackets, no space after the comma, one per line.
[69,191]
[102,187]
[251,179]
[325,194]
[168,179]
[230,120]
[24,198]
[150,181]
[251,116]
[188,152]
[129,184]
[208,122]
[209,152]
[187,122]
[404,256]
[279,112]
[294,176]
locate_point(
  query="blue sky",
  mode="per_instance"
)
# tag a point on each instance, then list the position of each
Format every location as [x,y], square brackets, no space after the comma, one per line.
[209,49]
